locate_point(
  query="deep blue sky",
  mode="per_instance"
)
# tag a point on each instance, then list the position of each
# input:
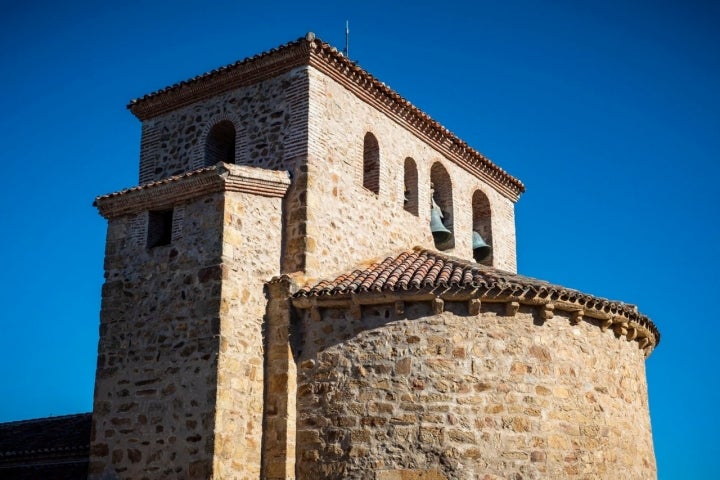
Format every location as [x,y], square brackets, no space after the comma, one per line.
[609,112]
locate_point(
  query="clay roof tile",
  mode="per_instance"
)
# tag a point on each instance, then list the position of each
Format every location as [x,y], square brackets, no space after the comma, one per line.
[422,269]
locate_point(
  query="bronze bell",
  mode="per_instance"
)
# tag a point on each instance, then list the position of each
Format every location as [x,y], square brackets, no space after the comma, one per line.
[440,233]
[481,250]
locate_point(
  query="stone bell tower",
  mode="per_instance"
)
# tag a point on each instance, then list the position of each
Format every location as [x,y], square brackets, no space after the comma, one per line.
[179,385]
[227,350]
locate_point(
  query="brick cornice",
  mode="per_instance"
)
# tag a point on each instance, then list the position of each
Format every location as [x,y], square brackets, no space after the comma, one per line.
[173,190]
[326,59]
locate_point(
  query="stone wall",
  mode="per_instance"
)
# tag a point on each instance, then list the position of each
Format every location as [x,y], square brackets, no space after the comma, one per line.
[155,386]
[267,117]
[347,223]
[271,121]
[179,384]
[251,256]
[453,396]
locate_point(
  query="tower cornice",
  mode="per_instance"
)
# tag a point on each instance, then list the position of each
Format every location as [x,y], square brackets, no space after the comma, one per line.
[310,51]
[179,188]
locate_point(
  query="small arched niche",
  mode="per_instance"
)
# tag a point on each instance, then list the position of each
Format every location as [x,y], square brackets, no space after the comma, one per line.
[410,193]
[482,224]
[220,143]
[371,163]
[441,192]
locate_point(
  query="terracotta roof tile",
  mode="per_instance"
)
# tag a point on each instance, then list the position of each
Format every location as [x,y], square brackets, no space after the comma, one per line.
[427,270]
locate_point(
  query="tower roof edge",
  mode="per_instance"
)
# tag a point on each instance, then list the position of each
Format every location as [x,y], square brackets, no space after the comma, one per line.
[312,51]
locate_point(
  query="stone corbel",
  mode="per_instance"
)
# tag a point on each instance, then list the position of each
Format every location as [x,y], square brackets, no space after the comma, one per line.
[605,324]
[632,333]
[438,305]
[511,308]
[548,310]
[399,309]
[474,306]
[355,308]
[315,312]
[576,317]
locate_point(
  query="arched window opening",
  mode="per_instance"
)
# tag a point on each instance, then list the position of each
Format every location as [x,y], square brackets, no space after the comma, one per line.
[371,163]
[441,203]
[220,143]
[410,193]
[482,228]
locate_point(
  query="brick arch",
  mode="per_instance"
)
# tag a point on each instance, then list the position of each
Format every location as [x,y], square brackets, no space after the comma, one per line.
[482,220]
[441,191]
[240,147]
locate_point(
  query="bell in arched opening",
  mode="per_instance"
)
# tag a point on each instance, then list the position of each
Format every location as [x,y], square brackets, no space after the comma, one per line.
[440,233]
[481,250]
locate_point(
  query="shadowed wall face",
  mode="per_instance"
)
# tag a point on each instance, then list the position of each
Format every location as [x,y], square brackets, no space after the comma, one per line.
[452,395]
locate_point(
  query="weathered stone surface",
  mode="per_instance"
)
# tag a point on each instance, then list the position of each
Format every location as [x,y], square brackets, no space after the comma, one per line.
[548,401]
[205,371]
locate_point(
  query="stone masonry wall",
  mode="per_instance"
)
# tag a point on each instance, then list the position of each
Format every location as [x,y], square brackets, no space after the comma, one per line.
[454,396]
[179,385]
[155,387]
[174,143]
[348,223]
[271,121]
[251,256]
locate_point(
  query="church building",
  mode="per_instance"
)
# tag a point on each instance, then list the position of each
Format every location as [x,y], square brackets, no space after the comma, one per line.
[313,279]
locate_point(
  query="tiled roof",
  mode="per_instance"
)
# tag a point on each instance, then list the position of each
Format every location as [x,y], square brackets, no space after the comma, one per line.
[52,434]
[310,50]
[54,447]
[425,270]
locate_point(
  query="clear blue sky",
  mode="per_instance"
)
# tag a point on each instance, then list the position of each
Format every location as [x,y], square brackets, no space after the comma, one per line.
[609,111]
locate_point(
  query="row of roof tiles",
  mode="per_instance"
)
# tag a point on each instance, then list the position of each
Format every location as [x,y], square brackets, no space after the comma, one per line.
[427,270]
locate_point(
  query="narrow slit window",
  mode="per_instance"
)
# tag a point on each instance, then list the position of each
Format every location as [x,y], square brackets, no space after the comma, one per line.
[410,195]
[371,163]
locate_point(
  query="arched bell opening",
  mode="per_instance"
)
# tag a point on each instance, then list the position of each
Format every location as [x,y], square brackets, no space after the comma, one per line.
[371,163]
[482,228]
[410,192]
[220,143]
[441,208]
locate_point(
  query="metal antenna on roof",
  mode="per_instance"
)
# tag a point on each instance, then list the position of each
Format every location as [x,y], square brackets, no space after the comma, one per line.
[346,52]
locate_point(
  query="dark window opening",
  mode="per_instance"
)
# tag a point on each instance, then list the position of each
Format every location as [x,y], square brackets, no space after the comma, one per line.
[159,228]
[410,195]
[441,204]
[371,163]
[482,228]
[220,143]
